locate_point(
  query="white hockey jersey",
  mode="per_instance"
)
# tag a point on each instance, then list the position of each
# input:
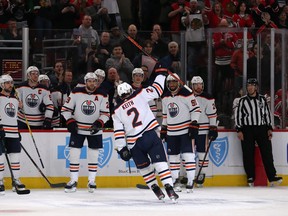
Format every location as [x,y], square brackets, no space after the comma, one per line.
[133,116]
[179,111]
[86,108]
[31,99]
[208,115]
[8,113]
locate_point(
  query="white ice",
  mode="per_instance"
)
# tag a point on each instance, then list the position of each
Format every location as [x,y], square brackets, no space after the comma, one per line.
[212,201]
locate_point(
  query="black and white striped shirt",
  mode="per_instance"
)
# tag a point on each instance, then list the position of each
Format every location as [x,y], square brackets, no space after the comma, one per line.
[252,111]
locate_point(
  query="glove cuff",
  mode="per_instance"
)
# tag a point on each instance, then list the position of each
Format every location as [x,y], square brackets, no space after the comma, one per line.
[69,121]
[100,123]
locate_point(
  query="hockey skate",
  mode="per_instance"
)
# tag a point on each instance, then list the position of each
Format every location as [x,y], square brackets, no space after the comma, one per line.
[158,192]
[171,193]
[200,180]
[17,183]
[2,188]
[250,182]
[91,187]
[71,187]
[177,185]
[276,180]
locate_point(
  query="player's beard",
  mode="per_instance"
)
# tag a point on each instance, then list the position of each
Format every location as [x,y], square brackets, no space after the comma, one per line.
[8,90]
[91,89]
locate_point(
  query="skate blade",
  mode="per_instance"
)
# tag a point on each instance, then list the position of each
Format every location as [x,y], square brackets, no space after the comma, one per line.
[275,183]
[189,190]
[251,184]
[173,200]
[2,193]
[177,189]
[91,190]
[73,190]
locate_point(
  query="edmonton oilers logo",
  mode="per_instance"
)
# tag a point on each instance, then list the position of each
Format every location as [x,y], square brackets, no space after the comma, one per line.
[88,107]
[10,110]
[32,100]
[173,109]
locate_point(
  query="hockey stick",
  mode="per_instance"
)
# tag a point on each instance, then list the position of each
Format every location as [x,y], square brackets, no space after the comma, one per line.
[202,164]
[20,192]
[142,186]
[30,131]
[56,185]
[155,60]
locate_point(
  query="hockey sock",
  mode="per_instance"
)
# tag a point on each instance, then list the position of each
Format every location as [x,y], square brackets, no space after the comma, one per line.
[164,172]
[205,164]
[174,166]
[190,166]
[92,163]
[148,175]
[74,163]
[1,166]
[15,164]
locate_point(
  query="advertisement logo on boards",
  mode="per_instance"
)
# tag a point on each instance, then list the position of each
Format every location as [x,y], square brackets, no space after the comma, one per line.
[103,158]
[219,151]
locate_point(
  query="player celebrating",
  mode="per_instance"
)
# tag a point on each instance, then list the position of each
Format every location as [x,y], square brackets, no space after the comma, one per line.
[86,110]
[207,123]
[9,134]
[134,121]
[35,98]
[181,112]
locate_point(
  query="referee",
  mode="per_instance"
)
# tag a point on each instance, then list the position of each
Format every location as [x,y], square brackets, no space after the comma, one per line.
[253,125]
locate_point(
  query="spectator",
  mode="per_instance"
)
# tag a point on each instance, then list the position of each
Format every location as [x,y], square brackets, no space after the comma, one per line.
[172,60]
[99,14]
[177,10]
[129,49]
[56,76]
[104,49]
[214,13]
[12,33]
[121,63]
[144,59]
[113,11]
[93,58]
[160,48]
[116,37]
[110,86]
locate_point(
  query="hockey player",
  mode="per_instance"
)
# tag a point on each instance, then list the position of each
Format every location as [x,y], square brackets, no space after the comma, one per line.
[181,112]
[55,97]
[9,134]
[134,121]
[207,125]
[100,75]
[137,79]
[86,110]
[35,98]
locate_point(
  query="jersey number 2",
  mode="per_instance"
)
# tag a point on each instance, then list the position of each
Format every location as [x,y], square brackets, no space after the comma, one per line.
[135,121]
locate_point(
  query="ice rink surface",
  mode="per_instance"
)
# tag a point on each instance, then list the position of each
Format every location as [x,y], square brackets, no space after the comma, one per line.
[214,201]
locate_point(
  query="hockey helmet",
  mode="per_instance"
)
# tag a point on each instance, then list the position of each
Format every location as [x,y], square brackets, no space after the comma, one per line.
[172,78]
[252,81]
[124,88]
[5,78]
[100,72]
[138,71]
[30,69]
[90,75]
[197,79]
[43,77]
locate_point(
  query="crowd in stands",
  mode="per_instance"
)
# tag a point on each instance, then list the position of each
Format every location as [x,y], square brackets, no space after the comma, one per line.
[95,32]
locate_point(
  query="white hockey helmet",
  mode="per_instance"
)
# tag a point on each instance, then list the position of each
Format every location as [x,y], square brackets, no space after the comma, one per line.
[5,78]
[197,79]
[30,69]
[43,77]
[124,88]
[137,71]
[90,75]
[172,78]
[100,72]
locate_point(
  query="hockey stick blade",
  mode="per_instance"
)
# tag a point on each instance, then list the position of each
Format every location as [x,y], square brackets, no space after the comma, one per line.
[142,186]
[57,185]
[22,192]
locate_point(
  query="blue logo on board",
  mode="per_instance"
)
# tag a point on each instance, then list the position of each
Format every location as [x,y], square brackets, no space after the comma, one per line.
[219,151]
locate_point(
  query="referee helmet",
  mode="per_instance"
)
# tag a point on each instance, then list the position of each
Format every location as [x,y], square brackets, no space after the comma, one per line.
[252,81]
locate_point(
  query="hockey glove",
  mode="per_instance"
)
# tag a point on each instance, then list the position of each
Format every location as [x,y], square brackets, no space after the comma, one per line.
[96,126]
[193,130]
[213,133]
[163,71]
[125,154]
[2,132]
[72,126]
[163,133]
[47,124]
[42,108]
